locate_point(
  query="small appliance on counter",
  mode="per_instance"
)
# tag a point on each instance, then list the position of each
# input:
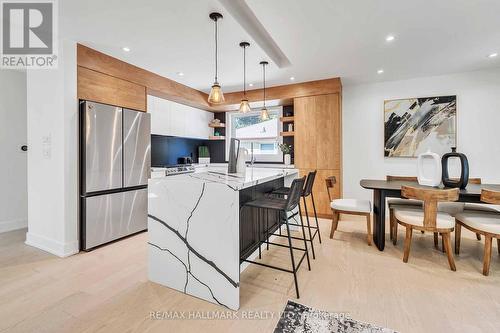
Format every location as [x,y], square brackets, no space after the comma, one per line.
[233,155]
[185,160]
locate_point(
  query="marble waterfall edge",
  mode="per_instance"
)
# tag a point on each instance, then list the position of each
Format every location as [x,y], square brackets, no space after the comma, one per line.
[193,246]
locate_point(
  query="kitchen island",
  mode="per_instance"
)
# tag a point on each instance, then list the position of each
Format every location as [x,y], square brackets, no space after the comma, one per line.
[198,234]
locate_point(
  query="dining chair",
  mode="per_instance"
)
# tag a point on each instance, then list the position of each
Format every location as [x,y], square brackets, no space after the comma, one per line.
[401,203]
[350,207]
[428,219]
[454,208]
[482,223]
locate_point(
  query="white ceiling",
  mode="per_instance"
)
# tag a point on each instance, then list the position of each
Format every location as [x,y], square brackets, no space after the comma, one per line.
[321,38]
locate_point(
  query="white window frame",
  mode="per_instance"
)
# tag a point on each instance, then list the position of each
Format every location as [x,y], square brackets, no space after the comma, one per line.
[277,158]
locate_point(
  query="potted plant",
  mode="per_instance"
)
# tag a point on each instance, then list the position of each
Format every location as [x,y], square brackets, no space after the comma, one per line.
[286,149]
[203,155]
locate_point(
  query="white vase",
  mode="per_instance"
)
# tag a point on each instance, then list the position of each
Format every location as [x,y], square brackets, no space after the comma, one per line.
[430,173]
[288,159]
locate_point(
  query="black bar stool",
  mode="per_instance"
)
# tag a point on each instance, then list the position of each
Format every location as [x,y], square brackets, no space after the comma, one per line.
[307,191]
[284,206]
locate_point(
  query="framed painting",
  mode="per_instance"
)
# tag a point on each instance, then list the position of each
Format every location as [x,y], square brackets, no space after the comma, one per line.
[416,125]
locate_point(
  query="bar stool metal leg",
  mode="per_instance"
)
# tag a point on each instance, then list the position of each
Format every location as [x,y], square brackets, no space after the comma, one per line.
[293,260]
[316,217]
[308,227]
[305,240]
[258,232]
[267,229]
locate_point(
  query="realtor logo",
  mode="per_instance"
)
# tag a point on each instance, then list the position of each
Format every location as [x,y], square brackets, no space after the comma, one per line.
[28,34]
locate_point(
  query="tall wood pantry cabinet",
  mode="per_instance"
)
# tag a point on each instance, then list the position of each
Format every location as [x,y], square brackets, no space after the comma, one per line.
[318,144]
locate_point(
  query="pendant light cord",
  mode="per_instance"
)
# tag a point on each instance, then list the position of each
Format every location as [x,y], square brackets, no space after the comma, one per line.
[216,35]
[244,71]
[264,76]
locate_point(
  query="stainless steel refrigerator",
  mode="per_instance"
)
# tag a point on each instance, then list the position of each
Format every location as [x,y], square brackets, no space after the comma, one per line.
[115,164]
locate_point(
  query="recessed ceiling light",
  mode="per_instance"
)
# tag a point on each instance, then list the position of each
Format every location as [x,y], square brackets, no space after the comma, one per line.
[126,49]
[493,55]
[250,84]
[180,73]
[380,71]
[389,38]
[292,78]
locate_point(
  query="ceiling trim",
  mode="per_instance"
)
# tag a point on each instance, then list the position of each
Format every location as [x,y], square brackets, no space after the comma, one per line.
[162,87]
[282,95]
[246,18]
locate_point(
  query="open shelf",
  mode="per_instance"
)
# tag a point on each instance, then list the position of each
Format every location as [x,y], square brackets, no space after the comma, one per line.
[287,133]
[221,125]
[287,119]
[216,137]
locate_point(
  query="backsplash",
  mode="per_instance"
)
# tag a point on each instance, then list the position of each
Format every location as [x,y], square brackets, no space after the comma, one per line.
[166,150]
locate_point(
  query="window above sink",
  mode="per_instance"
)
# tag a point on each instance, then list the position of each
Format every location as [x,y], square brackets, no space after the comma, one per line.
[263,134]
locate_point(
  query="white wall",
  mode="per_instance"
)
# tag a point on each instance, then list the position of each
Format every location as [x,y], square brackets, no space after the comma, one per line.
[13,174]
[53,155]
[478,126]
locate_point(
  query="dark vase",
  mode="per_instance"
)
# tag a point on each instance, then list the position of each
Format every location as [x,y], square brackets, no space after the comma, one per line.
[464,177]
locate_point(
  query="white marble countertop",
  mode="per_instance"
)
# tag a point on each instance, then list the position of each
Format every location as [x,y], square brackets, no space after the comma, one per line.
[216,174]
[256,165]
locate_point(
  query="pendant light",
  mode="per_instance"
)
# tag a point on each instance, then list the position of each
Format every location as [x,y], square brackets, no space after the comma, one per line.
[216,96]
[264,115]
[244,106]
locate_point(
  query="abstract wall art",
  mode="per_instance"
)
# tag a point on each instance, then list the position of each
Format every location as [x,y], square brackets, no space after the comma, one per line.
[416,125]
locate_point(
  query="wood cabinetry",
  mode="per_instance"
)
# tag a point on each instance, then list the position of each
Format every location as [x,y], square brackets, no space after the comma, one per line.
[318,144]
[102,88]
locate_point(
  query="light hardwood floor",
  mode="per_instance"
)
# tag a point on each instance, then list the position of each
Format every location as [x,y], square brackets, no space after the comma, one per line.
[107,290]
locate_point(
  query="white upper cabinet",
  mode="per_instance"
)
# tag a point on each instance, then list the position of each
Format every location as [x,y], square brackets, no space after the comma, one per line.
[174,119]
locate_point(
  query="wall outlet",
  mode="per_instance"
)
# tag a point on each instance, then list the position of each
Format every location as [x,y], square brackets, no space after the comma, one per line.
[47,147]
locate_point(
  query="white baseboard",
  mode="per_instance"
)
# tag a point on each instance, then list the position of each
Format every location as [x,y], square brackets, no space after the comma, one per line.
[13,225]
[49,245]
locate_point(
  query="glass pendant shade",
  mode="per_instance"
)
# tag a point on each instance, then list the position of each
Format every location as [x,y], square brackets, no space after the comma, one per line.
[245,106]
[264,115]
[216,96]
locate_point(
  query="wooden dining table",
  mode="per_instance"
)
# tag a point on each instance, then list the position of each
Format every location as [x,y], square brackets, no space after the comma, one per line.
[383,189]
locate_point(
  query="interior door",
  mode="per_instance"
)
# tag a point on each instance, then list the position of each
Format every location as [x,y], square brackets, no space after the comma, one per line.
[102,128]
[136,148]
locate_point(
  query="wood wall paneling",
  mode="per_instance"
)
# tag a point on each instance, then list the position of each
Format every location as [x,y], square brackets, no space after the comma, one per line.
[165,88]
[154,84]
[282,95]
[98,87]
